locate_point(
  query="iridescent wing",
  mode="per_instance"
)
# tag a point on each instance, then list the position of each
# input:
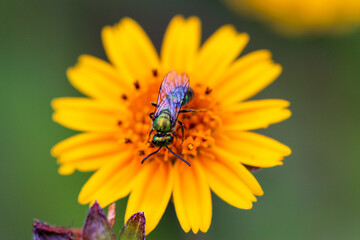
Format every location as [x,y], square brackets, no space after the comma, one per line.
[172,93]
[166,86]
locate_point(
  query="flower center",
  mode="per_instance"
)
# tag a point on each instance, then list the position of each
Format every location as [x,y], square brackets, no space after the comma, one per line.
[199,126]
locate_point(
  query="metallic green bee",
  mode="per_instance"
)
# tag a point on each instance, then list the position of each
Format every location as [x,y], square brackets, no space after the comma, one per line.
[173,94]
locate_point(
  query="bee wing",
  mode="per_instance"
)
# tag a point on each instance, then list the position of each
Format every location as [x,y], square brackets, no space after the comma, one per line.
[166,86]
[177,95]
[172,92]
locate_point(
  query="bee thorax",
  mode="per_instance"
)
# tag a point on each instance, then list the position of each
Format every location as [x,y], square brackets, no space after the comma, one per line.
[162,123]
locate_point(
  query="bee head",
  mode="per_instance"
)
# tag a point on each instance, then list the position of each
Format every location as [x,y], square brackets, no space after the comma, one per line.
[162,140]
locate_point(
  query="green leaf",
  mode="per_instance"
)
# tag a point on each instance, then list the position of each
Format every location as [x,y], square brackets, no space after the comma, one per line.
[134,228]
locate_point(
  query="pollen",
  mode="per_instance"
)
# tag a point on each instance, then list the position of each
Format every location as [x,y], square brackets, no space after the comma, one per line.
[198,126]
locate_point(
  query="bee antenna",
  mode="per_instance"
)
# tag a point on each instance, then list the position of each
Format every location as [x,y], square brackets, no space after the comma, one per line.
[178,156]
[150,155]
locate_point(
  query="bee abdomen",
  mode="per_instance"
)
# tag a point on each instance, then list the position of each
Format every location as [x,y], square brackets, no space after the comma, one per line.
[188,97]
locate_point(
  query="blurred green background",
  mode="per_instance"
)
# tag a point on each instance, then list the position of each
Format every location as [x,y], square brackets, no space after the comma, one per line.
[314,195]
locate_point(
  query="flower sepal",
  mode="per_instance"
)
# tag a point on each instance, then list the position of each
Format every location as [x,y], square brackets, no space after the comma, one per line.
[134,228]
[44,231]
[97,226]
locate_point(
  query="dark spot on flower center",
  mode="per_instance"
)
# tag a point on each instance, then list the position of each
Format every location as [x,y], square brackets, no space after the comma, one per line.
[119,123]
[137,85]
[141,153]
[124,97]
[127,140]
[154,72]
[208,90]
[192,125]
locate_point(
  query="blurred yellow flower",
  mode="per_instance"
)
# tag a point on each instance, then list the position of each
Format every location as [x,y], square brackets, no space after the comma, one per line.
[303,16]
[218,144]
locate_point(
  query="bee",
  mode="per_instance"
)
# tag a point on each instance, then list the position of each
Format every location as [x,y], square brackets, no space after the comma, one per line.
[173,94]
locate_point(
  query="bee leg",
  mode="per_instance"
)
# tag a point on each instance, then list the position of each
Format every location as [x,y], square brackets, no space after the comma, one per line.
[151,155]
[151,115]
[173,132]
[174,155]
[150,134]
[154,104]
[182,131]
[190,110]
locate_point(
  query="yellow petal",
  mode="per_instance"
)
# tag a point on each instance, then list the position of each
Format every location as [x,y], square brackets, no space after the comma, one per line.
[248,78]
[241,171]
[225,181]
[66,170]
[96,78]
[130,50]
[218,52]
[255,114]
[88,115]
[78,140]
[153,194]
[86,152]
[252,149]
[180,44]
[246,158]
[256,144]
[245,66]
[114,174]
[121,184]
[192,198]
[88,164]
[102,147]
[255,105]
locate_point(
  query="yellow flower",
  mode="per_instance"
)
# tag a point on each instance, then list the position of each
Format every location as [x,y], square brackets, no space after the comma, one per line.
[303,16]
[218,142]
